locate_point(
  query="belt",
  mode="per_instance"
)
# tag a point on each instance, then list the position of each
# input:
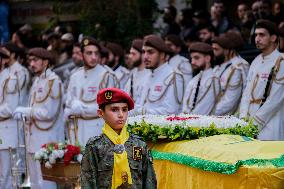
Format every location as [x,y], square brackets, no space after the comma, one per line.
[84,118]
[256,101]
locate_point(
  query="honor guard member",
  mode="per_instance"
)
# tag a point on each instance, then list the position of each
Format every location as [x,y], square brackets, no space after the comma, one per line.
[139,74]
[202,91]
[263,97]
[116,159]
[44,112]
[104,62]
[65,70]
[115,61]
[19,72]
[231,78]
[165,87]
[8,127]
[178,62]
[236,59]
[14,87]
[81,107]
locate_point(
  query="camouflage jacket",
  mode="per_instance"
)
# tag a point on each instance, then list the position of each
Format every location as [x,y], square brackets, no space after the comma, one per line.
[98,158]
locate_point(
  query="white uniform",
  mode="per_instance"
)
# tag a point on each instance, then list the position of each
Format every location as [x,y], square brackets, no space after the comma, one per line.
[269,115]
[182,65]
[201,93]
[241,63]
[122,75]
[82,90]
[111,72]
[45,123]
[231,79]
[163,94]
[14,91]
[137,82]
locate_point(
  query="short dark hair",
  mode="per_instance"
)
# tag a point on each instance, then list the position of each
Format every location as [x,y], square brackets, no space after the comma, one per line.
[207,26]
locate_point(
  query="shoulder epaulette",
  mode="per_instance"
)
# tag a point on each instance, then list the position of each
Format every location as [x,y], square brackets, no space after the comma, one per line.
[92,140]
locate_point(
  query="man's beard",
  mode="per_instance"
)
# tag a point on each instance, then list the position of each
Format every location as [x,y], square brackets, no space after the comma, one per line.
[197,69]
[219,60]
[136,63]
[111,63]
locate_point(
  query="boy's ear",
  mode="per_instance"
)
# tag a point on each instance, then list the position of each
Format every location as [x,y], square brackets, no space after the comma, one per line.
[100,113]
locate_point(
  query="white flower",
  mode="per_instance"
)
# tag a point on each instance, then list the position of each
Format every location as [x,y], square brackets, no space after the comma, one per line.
[79,158]
[198,121]
[60,153]
[45,156]
[38,155]
[48,165]
[55,154]
[43,150]
[52,159]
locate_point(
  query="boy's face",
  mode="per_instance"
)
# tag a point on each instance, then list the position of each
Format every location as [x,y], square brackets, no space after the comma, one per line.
[115,115]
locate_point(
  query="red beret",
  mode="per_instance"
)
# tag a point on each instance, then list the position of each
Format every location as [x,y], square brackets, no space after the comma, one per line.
[114,95]
[157,43]
[201,47]
[41,53]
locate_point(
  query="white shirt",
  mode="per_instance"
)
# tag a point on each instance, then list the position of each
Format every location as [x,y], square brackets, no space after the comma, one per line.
[231,81]
[14,82]
[84,86]
[241,63]
[269,116]
[122,75]
[208,90]
[46,124]
[163,94]
[137,82]
[182,65]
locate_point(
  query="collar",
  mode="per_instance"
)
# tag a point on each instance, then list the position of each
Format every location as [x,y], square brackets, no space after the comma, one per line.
[235,60]
[14,66]
[44,74]
[207,71]
[89,71]
[160,69]
[273,54]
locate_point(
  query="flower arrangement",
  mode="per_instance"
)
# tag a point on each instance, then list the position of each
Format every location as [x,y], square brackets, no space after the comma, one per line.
[185,127]
[52,152]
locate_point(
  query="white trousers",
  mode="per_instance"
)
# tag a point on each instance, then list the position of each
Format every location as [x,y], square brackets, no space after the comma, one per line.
[5,170]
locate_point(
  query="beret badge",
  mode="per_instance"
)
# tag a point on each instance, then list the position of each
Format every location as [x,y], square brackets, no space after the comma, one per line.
[108,95]
[86,42]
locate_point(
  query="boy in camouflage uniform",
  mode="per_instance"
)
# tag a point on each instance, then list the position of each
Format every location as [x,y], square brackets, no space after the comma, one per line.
[116,159]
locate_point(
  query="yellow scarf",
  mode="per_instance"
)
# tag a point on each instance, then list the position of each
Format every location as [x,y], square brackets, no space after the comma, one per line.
[120,159]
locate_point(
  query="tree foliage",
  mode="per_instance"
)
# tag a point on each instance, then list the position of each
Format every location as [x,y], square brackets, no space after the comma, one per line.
[118,20]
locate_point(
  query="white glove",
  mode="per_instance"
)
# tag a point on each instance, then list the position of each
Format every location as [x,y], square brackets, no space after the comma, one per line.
[21,112]
[76,107]
[67,114]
